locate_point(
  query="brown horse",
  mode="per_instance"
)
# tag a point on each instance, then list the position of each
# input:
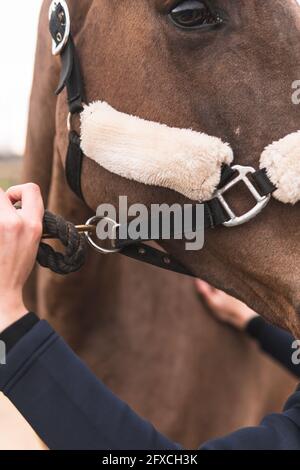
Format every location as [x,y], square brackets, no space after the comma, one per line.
[143,330]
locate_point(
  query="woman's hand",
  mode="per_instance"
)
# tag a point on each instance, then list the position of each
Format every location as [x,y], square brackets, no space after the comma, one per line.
[226,308]
[20,235]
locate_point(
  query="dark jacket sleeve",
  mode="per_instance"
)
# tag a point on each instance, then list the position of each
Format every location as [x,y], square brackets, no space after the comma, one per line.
[276,432]
[64,402]
[276,342]
[14,333]
[70,409]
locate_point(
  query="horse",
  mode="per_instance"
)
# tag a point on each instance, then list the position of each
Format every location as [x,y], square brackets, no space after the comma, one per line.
[142,330]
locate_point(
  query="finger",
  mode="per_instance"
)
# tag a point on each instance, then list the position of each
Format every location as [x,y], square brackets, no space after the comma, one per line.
[30,197]
[203,288]
[5,204]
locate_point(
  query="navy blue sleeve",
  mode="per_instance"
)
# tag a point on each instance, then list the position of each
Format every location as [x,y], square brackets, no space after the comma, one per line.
[70,409]
[276,432]
[64,402]
[17,330]
[274,341]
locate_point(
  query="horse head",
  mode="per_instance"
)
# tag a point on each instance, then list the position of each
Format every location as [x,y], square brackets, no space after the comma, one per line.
[167,61]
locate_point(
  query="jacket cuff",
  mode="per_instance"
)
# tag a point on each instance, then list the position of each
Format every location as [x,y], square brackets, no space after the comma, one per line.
[12,335]
[24,353]
[255,327]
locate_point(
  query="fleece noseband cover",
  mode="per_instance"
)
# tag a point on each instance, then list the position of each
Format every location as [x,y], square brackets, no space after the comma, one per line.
[186,161]
[183,160]
[282,162]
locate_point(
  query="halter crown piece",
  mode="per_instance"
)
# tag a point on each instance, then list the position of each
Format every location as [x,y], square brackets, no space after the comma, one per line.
[194,164]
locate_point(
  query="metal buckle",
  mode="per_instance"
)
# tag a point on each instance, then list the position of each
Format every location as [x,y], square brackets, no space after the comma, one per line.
[94,221]
[261,201]
[57,46]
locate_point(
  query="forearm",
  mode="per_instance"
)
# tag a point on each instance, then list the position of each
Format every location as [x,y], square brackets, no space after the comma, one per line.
[276,342]
[70,409]
[65,404]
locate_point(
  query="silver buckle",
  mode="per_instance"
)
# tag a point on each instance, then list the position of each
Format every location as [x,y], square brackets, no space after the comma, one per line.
[261,201]
[62,41]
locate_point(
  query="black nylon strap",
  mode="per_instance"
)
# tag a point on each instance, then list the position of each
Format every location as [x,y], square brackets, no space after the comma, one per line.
[155,257]
[214,216]
[263,183]
[226,175]
[74,164]
[71,76]
[67,62]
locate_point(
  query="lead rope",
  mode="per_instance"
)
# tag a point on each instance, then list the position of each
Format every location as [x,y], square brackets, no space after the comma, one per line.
[73,259]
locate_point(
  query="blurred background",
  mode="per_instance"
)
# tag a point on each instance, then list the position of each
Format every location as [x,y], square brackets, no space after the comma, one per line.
[18,34]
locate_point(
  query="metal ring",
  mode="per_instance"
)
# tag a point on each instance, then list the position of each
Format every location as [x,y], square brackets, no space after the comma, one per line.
[69,122]
[70,117]
[94,221]
[57,48]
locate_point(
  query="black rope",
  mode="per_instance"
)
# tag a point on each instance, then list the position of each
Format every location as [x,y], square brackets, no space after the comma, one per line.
[73,241]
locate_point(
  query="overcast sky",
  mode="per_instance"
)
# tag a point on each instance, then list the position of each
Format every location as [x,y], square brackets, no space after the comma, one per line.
[18,33]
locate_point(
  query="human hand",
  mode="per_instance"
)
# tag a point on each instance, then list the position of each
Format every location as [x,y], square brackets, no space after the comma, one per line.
[20,235]
[226,308]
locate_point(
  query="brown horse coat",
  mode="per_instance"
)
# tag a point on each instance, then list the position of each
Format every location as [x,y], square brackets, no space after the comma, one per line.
[143,331]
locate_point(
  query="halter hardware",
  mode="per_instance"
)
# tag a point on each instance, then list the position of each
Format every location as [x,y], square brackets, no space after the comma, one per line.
[63,28]
[93,221]
[261,201]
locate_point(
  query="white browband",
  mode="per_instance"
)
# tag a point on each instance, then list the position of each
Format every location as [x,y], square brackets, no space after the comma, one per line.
[186,161]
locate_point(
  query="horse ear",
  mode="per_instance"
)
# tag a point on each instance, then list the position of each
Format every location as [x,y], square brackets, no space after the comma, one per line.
[281,160]
[183,160]
[16,433]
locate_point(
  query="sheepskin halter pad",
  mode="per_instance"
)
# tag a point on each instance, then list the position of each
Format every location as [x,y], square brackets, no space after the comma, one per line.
[282,162]
[183,160]
[186,161]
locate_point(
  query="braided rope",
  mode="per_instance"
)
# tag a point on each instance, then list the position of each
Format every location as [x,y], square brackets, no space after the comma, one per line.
[73,241]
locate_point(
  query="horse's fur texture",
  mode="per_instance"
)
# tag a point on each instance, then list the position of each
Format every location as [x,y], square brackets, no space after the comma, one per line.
[143,331]
[186,161]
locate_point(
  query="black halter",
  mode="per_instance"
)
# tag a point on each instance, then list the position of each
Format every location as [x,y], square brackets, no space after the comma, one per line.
[216,211]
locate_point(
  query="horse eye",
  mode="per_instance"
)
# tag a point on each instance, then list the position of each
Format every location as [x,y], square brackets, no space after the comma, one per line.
[194,14]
